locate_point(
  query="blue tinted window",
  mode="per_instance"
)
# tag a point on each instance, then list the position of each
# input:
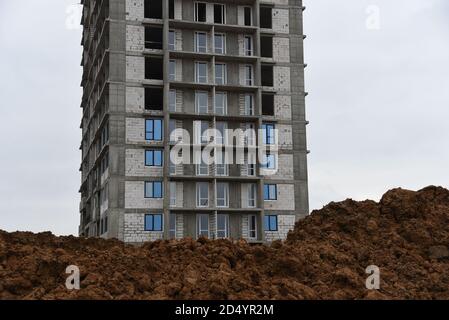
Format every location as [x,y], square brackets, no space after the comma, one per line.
[153,222]
[153,189]
[269,162]
[153,129]
[268,133]
[270,192]
[271,223]
[157,193]
[154,158]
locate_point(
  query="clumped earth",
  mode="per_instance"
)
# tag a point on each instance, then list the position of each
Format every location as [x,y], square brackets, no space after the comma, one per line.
[406,235]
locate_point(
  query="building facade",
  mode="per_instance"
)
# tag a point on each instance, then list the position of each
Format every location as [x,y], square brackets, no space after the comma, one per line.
[153,66]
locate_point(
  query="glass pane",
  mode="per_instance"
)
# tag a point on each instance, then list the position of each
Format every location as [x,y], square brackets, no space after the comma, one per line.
[148,189]
[158,222]
[157,129]
[171,40]
[172,101]
[149,222]
[273,223]
[267,223]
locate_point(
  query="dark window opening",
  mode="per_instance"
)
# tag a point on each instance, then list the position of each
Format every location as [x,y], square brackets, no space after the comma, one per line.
[219,13]
[154,98]
[153,9]
[171,9]
[200,11]
[266,47]
[247,16]
[266,18]
[267,75]
[153,38]
[268,104]
[154,68]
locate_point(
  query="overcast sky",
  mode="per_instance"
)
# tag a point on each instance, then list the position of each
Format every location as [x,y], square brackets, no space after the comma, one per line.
[378,104]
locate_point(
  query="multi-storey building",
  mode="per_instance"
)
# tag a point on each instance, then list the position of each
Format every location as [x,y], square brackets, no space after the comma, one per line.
[152,66]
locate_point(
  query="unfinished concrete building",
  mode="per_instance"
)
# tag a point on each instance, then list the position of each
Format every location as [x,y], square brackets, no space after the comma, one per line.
[151,66]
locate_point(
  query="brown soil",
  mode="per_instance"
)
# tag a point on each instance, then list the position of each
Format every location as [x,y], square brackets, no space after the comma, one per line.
[406,235]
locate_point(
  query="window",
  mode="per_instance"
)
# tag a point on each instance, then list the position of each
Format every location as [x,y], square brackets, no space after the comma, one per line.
[251,168]
[172,101]
[202,169]
[154,98]
[202,101]
[154,158]
[153,38]
[154,189]
[202,221]
[153,222]
[221,169]
[204,127]
[267,75]
[173,194]
[222,195]
[268,133]
[200,12]
[200,41]
[172,70]
[222,226]
[250,135]
[171,40]
[271,223]
[270,192]
[201,72]
[153,9]
[154,68]
[172,226]
[221,132]
[249,104]
[153,129]
[220,43]
[219,13]
[248,16]
[252,232]
[220,73]
[202,194]
[266,46]
[249,75]
[171,130]
[248,45]
[266,18]
[171,9]
[252,192]
[268,104]
[268,161]
[221,103]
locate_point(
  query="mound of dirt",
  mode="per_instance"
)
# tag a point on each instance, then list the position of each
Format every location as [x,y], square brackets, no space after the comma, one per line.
[406,235]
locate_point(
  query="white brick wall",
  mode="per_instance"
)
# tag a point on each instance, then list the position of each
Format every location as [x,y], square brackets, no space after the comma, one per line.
[281,21]
[135,99]
[281,77]
[135,38]
[135,198]
[135,165]
[285,224]
[281,49]
[134,229]
[285,168]
[134,10]
[135,68]
[283,107]
[285,199]
[285,136]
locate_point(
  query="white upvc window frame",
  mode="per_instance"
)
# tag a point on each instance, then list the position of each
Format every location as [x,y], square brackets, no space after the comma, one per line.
[198,48]
[225,231]
[249,81]
[202,169]
[172,100]
[200,231]
[252,195]
[199,196]
[223,13]
[249,52]
[224,107]
[172,45]
[223,43]
[252,230]
[173,186]
[195,11]
[221,79]
[225,197]
[249,104]
[197,69]
[198,107]
[172,76]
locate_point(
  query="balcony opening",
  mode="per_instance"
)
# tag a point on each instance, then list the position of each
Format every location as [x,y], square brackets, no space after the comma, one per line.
[200,11]
[267,75]
[154,68]
[154,98]
[267,104]
[153,38]
[153,9]
[266,46]
[171,9]
[266,18]
[247,15]
[219,13]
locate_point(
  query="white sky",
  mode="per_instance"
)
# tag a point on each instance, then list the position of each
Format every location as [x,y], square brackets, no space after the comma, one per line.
[378,104]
